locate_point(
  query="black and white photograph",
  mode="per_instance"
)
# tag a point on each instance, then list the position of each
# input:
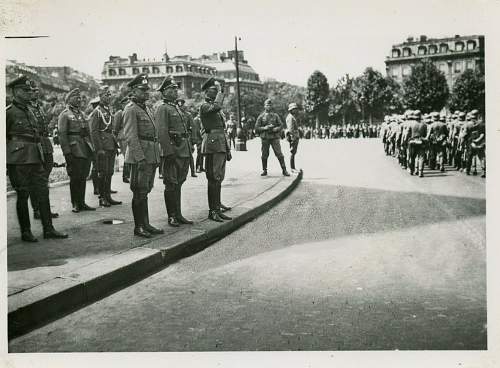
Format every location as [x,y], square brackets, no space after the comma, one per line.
[267,184]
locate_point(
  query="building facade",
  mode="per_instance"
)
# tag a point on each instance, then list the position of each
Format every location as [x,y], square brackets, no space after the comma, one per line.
[452,56]
[225,63]
[188,73]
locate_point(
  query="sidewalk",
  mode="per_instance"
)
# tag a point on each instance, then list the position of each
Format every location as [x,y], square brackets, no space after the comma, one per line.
[52,277]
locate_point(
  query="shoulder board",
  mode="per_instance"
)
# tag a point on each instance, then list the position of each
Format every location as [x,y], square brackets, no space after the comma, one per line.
[9,106]
[129,104]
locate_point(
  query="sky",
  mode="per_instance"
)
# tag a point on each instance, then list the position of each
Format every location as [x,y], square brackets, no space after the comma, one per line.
[285,40]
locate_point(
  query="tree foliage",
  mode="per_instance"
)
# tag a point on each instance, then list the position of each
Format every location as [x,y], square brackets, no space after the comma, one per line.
[468,92]
[344,106]
[426,88]
[318,96]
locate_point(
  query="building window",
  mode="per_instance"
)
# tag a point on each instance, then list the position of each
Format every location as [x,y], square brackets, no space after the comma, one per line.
[458,66]
[422,50]
[135,70]
[179,69]
[156,70]
[111,72]
[145,70]
[471,45]
[395,72]
[406,70]
[443,48]
[432,49]
[169,70]
[179,84]
[459,46]
[396,53]
[443,67]
[470,64]
[122,71]
[406,52]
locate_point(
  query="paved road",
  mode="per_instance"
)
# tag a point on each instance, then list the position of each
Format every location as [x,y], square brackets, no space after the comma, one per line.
[361,256]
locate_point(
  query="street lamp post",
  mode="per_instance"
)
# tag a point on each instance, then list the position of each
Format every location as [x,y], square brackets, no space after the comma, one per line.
[241,144]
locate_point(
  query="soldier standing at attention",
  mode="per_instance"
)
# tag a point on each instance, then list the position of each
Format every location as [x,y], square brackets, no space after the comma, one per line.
[122,142]
[43,129]
[269,126]
[77,149]
[292,133]
[105,145]
[416,134]
[188,119]
[196,139]
[231,130]
[175,149]
[25,161]
[214,147]
[143,153]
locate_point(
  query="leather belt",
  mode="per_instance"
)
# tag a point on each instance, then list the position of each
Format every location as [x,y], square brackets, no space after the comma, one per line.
[25,138]
[150,139]
[214,130]
[182,135]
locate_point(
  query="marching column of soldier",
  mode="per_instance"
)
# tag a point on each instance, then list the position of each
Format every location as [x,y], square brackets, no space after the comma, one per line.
[436,140]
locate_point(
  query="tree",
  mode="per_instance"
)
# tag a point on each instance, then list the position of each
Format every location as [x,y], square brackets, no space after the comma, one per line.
[468,92]
[372,93]
[283,94]
[394,97]
[317,99]
[343,100]
[426,88]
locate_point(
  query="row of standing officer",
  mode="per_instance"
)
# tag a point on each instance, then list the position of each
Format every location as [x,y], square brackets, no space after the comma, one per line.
[436,139]
[29,158]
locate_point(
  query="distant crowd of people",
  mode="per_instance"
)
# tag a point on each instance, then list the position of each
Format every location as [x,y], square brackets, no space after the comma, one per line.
[350,130]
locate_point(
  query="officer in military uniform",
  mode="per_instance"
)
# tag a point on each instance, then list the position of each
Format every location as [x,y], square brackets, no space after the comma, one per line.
[77,148]
[25,161]
[122,142]
[292,132]
[48,150]
[196,140]
[477,143]
[214,147]
[181,102]
[94,176]
[175,149]
[458,138]
[231,130]
[269,126]
[436,136]
[105,145]
[143,153]
[415,136]
[470,134]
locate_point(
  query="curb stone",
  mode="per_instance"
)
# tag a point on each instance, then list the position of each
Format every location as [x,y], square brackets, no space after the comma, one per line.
[42,304]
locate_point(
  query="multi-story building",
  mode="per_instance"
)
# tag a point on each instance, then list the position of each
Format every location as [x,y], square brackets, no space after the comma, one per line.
[225,63]
[188,73]
[452,56]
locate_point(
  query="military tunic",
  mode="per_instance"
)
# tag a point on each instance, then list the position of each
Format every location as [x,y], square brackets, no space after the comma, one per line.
[103,140]
[142,145]
[175,146]
[270,137]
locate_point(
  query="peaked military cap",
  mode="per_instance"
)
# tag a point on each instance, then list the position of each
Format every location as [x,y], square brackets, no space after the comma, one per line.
[292,106]
[73,92]
[168,82]
[434,114]
[124,100]
[103,90]
[474,113]
[95,100]
[461,114]
[139,80]
[21,81]
[209,83]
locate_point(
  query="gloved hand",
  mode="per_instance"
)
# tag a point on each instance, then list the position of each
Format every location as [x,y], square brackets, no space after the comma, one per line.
[276,129]
[228,156]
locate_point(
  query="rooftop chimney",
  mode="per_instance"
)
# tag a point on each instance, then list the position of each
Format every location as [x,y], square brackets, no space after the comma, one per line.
[423,38]
[410,39]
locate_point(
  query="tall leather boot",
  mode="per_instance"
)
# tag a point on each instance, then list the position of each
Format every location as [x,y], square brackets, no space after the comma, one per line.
[153,230]
[180,219]
[212,202]
[219,211]
[48,229]
[264,167]
[95,180]
[138,212]
[126,173]
[292,162]
[74,197]
[23,216]
[83,205]
[283,166]
[169,197]
[103,199]
[110,200]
